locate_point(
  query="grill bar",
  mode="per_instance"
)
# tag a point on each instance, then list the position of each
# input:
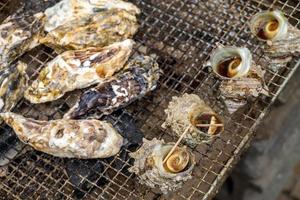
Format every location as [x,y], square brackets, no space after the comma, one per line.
[182,33]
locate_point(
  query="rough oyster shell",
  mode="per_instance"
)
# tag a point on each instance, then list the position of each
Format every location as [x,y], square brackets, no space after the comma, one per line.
[13,82]
[149,167]
[18,34]
[236,92]
[101,30]
[78,69]
[284,41]
[231,62]
[139,77]
[67,11]
[184,111]
[83,139]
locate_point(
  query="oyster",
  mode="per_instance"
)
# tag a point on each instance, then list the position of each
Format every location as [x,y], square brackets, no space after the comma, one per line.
[78,69]
[151,170]
[18,34]
[67,11]
[140,76]
[100,30]
[282,39]
[13,82]
[237,92]
[83,139]
[231,62]
[187,111]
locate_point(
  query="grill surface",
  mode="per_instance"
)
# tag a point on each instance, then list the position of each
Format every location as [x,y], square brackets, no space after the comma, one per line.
[182,33]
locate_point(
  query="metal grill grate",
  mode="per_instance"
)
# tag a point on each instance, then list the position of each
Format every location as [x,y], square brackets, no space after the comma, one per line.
[182,33]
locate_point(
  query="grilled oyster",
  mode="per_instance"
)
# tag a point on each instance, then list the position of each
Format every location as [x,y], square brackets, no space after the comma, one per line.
[191,111]
[236,92]
[283,40]
[18,34]
[231,62]
[78,69]
[67,11]
[139,77]
[13,82]
[100,30]
[151,170]
[83,139]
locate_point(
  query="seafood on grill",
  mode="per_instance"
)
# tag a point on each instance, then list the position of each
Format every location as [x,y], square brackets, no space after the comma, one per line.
[190,112]
[68,11]
[13,82]
[168,176]
[282,39]
[77,69]
[139,77]
[100,30]
[18,34]
[236,92]
[84,139]
[241,78]
[231,62]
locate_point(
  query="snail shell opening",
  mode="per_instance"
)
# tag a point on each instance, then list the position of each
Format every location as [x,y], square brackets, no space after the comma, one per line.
[231,62]
[208,123]
[269,25]
[178,162]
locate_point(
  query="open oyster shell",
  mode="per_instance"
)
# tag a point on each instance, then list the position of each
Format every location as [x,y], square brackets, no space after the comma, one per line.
[190,110]
[282,39]
[151,171]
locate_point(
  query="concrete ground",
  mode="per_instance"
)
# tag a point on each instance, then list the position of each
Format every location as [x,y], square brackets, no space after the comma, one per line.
[270,169]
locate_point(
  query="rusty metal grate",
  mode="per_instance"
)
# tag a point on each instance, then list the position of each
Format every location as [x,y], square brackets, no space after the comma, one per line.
[182,33]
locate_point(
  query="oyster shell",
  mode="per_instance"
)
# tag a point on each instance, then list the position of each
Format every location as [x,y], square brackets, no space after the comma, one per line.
[83,139]
[151,170]
[282,39]
[189,110]
[100,30]
[18,34]
[236,92]
[13,82]
[67,11]
[231,62]
[139,77]
[78,69]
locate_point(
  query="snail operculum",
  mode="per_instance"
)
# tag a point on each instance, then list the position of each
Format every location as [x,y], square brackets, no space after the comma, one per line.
[178,161]
[231,62]
[269,25]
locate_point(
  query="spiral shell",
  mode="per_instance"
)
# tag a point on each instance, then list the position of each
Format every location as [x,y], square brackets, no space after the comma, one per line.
[268,25]
[151,170]
[231,62]
[189,110]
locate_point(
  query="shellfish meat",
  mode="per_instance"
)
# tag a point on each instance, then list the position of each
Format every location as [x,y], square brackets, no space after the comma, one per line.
[77,69]
[67,11]
[18,34]
[139,77]
[187,111]
[100,30]
[283,39]
[83,139]
[13,82]
[151,170]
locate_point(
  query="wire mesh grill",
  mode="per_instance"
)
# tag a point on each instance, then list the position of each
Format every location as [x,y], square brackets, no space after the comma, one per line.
[182,33]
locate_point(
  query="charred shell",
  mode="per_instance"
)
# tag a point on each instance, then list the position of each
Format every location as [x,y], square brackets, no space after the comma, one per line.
[85,139]
[168,176]
[101,30]
[139,77]
[78,69]
[67,11]
[18,34]
[187,111]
